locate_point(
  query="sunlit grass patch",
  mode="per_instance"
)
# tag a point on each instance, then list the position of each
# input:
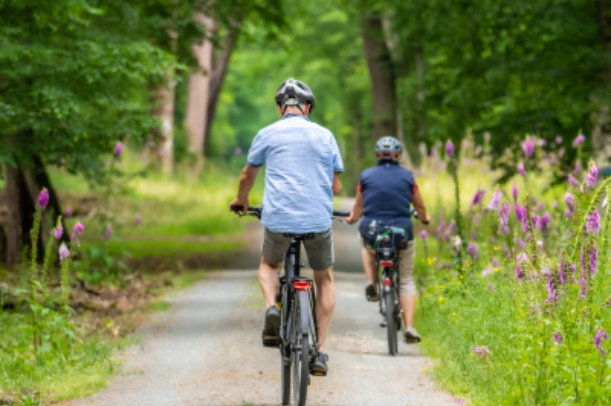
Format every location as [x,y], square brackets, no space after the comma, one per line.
[147,249]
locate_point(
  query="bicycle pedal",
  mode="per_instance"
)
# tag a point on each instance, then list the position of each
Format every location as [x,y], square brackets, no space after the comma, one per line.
[317,373]
[271,341]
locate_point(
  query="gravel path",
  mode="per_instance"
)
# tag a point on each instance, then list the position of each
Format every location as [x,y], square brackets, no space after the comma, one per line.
[206,351]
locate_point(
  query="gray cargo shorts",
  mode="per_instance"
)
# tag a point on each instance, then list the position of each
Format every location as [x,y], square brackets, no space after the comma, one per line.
[319,249]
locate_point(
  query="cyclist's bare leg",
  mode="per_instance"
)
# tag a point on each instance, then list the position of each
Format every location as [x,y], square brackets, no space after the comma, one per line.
[369,263]
[325,303]
[268,278]
[408,304]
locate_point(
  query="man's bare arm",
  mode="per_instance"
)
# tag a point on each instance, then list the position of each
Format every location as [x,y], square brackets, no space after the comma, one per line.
[419,206]
[337,184]
[247,181]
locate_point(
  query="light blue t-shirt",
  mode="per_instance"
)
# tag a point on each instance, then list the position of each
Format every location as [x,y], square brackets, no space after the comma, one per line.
[300,158]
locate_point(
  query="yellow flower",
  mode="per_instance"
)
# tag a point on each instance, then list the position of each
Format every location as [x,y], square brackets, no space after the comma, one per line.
[453,314]
[461,276]
[441,298]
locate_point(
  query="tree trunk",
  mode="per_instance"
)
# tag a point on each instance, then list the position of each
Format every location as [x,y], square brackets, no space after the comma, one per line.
[216,81]
[382,77]
[14,227]
[164,110]
[199,91]
[601,133]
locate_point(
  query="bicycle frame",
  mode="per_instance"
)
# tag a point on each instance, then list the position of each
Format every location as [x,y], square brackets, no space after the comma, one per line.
[291,286]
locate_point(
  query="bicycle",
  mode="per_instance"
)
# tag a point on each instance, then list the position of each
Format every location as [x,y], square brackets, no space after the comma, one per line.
[296,300]
[387,261]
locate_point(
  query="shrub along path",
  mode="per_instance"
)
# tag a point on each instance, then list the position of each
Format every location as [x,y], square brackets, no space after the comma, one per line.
[206,351]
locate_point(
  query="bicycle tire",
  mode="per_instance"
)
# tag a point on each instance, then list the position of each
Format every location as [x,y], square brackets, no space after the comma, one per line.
[301,359]
[391,326]
[285,365]
[285,381]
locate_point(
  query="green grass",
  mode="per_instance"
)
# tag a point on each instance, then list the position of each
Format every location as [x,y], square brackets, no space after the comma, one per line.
[159,306]
[159,249]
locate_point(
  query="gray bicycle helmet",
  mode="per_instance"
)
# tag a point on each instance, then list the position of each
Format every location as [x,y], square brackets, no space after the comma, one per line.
[294,92]
[388,149]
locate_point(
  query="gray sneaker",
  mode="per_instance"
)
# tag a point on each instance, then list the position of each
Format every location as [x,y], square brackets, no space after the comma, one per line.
[271,330]
[411,335]
[318,367]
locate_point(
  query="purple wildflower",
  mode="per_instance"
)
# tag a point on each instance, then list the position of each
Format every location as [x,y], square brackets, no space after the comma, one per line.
[521,169]
[482,351]
[495,200]
[521,216]
[504,219]
[477,199]
[496,263]
[514,193]
[562,274]
[593,222]
[551,289]
[519,243]
[118,149]
[237,151]
[459,401]
[519,271]
[76,230]
[579,140]
[108,232]
[442,227]
[57,232]
[487,271]
[544,221]
[558,338]
[452,227]
[593,254]
[558,139]
[472,250]
[570,201]
[450,148]
[583,284]
[63,252]
[577,169]
[540,244]
[592,175]
[598,341]
[572,180]
[423,234]
[68,212]
[43,198]
[529,147]
[487,136]
[138,219]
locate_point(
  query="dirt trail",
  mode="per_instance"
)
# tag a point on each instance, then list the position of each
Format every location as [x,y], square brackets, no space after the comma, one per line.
[207,349]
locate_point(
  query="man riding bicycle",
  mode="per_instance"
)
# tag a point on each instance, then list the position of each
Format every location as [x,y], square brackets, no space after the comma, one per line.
[303,163]
[385,194]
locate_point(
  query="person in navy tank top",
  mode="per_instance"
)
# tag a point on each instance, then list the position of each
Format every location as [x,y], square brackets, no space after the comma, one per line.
[384,196]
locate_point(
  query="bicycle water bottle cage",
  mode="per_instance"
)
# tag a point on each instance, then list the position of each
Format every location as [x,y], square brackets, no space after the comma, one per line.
[300,237]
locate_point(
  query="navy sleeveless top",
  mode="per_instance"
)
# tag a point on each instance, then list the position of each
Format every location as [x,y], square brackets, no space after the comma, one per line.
[387,195]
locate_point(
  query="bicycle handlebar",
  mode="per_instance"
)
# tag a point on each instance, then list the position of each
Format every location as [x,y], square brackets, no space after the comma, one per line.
[256,211]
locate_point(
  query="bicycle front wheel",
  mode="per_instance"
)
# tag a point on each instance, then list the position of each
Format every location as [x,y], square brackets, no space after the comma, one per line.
[391,326]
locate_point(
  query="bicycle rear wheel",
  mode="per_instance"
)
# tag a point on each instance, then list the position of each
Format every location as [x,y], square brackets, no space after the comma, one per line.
[301,354]
[285,364]
[391,326]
